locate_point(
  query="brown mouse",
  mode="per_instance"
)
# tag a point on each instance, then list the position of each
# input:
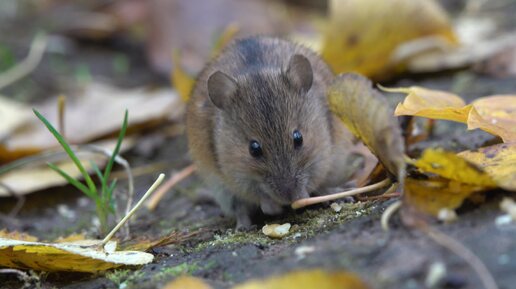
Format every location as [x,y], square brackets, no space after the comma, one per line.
[260,131]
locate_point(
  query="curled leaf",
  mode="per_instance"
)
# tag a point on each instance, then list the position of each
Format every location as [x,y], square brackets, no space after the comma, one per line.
[363,34]
[453,167]
[367,114]
[495,114]
[498,161]
[429,103]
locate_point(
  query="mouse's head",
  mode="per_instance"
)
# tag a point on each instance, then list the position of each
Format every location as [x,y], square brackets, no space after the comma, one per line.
[272,133]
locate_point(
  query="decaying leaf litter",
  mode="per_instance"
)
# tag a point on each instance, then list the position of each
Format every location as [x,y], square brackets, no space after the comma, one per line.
[349,240]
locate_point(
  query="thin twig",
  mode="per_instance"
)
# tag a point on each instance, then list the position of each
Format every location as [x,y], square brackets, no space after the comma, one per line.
[19,203]
[133,210]
[25,67]
[21,275]
[462,251]
[315,200]
[61,106]
[387,214]
[169,184]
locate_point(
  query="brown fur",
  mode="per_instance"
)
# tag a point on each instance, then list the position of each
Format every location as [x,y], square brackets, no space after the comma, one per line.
[260,96]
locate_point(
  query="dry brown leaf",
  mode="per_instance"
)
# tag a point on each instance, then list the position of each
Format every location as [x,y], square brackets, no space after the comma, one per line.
[495,114]
[366,113]
[37,177]
[187,282]
[97,112]
[498,161]
[431,196]
[308,280]
[450,166]
[363,34]
[12,116]
[81,256]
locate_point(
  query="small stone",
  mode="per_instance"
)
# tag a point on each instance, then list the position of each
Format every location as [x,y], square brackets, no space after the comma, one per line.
[436,274]
[276,230]
[336,207]
[447,215]
[302,251]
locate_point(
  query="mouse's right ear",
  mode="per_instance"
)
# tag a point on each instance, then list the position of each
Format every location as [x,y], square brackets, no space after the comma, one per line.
[221,87]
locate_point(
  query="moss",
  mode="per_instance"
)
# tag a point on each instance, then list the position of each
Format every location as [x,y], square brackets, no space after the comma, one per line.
[304,225]
[181,269]
[124,277]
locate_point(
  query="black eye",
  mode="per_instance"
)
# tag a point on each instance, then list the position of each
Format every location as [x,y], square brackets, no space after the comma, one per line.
[298,139]
[255,149]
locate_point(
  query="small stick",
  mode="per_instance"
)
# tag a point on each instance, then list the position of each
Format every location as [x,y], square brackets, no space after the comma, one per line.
[387,214]
[22,275]
[315,200]
[61,105]
[169,184]
[136,207]
[37,48]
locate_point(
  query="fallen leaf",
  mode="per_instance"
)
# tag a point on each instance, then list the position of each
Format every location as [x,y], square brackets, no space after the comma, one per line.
[362,35]
[98,112]
[17,236]
[308,280]
[495,114]
[38,176]
[453,167]
[181,80]
[81,256]
[12,116]
[276,230]
[368,116]
[498,161]
[431,196]
[430,103]
[187,282]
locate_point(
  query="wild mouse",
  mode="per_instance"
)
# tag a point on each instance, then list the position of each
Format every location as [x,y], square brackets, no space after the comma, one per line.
[260,131]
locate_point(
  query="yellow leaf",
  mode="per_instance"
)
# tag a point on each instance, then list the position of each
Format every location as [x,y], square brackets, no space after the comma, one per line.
[433,104]
[499,161]
[430,196]
[363,34]
[496,115]
[453,167]
[17,236]
[308,280]
[187,282]
[181,81]
[83,256]
[368,116]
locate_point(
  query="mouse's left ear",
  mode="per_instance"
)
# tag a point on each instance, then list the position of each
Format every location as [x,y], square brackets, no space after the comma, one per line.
[221,88]
[299,73]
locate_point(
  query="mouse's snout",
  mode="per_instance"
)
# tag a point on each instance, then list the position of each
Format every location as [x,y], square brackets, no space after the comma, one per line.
[288,190]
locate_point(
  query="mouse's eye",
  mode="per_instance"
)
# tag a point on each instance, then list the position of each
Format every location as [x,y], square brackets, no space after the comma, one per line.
[255,149]
[298,139]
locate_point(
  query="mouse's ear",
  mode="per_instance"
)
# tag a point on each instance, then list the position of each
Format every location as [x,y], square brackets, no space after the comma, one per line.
[299,73]
[221,87]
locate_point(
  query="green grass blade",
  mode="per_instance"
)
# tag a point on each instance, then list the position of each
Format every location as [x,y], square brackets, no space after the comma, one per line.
[69,151]
[73,182]
[111,161]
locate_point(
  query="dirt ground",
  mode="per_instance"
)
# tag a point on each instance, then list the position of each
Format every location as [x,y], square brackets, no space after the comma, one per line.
[350,240]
